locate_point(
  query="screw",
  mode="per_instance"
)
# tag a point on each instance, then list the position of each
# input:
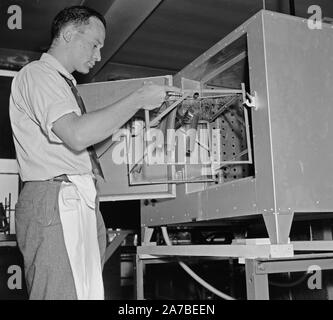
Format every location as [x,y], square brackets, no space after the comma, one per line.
[261,267]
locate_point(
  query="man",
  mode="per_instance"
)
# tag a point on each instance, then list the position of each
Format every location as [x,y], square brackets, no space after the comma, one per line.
[59,228]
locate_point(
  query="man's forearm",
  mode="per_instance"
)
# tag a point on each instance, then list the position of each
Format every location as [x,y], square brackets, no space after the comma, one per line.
[98,125]
[79,132]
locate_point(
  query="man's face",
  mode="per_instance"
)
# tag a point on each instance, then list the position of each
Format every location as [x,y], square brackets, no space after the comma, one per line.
[86,46]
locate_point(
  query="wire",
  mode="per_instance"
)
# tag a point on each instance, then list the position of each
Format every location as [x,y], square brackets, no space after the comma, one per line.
[193,274]
[290,284]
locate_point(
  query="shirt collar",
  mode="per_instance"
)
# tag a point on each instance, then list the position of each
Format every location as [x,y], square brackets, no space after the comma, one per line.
[48,58]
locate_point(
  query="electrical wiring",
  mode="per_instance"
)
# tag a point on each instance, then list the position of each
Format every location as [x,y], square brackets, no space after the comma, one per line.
[193,274]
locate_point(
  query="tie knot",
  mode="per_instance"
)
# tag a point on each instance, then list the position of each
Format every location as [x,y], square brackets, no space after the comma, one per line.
[69,81]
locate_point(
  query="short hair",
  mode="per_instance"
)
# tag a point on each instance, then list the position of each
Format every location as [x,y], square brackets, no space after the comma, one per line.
[76,15]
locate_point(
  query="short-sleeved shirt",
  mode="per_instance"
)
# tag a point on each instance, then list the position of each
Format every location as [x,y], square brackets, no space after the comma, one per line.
[39,97]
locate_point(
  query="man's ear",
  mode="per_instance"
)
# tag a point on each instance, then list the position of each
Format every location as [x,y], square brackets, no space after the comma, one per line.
[67,33]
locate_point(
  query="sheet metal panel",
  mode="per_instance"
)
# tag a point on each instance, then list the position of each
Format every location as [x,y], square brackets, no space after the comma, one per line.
[260,117]
[215,203]
[300,85]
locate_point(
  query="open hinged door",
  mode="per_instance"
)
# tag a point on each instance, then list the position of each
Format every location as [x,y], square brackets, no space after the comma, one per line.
[223,107]
[117,152]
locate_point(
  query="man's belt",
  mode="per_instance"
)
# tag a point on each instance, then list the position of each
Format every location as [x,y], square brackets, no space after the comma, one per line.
[61,178]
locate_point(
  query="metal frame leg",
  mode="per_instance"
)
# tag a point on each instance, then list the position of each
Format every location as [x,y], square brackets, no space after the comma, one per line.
[139,272]
[256,284]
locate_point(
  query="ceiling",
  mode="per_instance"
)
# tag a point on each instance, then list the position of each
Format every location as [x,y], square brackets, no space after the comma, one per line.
[144,37]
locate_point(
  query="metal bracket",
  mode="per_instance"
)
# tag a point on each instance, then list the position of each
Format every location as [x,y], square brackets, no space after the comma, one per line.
[115,240]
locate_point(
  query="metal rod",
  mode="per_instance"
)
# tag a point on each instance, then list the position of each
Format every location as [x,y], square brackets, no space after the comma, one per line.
[224,108]
[147,133]
[172,182]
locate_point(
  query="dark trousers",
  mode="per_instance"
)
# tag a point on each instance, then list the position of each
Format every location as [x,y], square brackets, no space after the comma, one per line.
[40,238]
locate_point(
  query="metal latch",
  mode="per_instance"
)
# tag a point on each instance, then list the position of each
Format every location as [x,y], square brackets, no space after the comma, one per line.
[248,99]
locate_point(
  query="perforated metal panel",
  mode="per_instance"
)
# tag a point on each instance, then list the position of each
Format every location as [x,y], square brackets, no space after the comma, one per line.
[232,141]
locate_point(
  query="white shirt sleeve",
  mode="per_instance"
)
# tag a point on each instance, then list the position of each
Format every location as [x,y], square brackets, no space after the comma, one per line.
[48,98]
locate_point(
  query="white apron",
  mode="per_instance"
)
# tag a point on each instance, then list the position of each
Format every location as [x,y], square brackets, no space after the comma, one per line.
[78,218]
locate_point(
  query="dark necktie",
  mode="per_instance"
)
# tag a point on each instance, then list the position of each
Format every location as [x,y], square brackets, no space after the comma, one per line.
[96,166]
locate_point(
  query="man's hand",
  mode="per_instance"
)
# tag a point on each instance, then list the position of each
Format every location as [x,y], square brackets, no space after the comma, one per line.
[151,96]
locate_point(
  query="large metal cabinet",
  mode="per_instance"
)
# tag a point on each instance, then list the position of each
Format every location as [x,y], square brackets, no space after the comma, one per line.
[287,70]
